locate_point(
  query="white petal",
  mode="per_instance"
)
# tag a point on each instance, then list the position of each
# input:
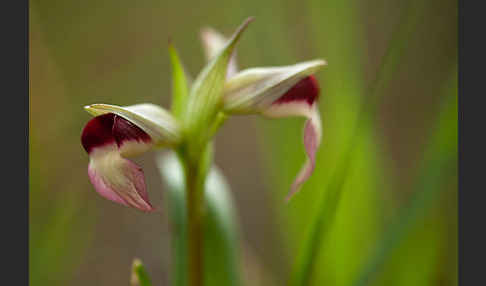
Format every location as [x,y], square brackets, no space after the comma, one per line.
[299,100]
[154,120]
[254,90]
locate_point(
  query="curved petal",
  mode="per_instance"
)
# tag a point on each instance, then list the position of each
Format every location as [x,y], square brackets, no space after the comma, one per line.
[301,100]
[157,122]
[108,139]
[254,90]
[273,92]
[281,92]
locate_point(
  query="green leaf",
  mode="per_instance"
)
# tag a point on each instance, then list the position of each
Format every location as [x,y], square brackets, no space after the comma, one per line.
[139,274]
[180,83]
[205,98]
[221,259]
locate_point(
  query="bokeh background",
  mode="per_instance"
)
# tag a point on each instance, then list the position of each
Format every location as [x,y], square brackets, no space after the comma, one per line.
[381,207]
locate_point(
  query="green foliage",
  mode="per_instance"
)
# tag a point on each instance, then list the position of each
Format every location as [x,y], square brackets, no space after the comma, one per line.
[221,246]
[205,97]
[140,276]
[432,184]
[180,86]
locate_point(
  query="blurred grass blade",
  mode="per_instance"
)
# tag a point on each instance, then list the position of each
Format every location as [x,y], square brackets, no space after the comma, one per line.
[139,276]
[439,161]
[332,195]
[58,244]
[60,230]
[180,83]
[321,225]
[221,266]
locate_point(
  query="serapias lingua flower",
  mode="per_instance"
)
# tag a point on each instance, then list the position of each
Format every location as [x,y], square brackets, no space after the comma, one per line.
[118,133]
[274,92]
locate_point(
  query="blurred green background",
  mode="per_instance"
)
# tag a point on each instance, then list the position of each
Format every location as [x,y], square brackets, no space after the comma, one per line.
[381,206]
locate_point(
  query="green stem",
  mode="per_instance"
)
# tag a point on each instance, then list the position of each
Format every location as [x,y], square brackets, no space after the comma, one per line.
[195,204]
[196,165]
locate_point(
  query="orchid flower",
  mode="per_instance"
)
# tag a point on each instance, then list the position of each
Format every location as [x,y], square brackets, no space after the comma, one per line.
[118,133]
[274,92]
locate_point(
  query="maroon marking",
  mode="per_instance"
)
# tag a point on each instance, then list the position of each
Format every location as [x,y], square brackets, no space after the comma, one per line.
[124,130]
[109,128]
[306,89]
[97,132]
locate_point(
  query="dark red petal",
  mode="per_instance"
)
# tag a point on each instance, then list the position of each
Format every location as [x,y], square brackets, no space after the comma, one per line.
[124,130]
[306,89]
[109,128]
[97,132]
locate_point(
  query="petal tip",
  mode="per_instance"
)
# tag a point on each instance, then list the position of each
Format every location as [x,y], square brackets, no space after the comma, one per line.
[321,62]
[311,144]
[90,110]
[136,262]
[293,190]
[249,20]
[243,26]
